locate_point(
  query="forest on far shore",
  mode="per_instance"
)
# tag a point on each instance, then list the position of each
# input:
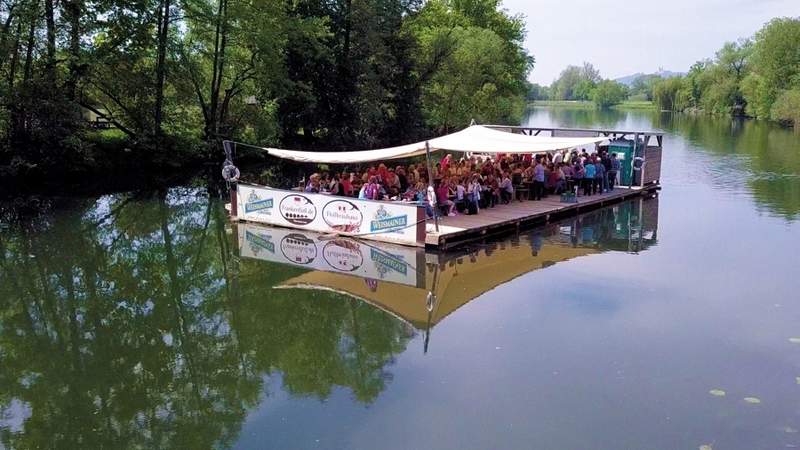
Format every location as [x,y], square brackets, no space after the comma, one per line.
[90,86]
[754,77]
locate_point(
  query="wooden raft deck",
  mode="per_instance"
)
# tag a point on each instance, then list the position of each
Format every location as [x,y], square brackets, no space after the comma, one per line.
[462,228]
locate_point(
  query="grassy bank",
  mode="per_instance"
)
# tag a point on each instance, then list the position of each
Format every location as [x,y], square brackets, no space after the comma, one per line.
[626,105]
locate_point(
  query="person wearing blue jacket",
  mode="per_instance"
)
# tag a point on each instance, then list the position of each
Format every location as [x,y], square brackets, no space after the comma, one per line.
[588,177]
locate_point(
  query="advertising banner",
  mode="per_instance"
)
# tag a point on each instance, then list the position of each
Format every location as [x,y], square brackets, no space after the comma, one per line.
[374,261]
[397,222]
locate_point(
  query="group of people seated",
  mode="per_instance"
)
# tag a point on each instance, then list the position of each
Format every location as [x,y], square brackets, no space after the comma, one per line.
[469,184]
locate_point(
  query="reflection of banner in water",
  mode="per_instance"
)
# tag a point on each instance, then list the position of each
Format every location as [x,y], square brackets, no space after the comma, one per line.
[259,242]
[396,222]
[385,261]
[390,263]
[343,255]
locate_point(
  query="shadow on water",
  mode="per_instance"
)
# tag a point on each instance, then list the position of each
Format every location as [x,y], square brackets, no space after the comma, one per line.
[149,320]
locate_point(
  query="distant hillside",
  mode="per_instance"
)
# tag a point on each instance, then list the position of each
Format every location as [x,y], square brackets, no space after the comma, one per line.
[629,80]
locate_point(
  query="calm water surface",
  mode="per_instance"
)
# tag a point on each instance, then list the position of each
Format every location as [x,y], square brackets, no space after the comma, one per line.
[145,319]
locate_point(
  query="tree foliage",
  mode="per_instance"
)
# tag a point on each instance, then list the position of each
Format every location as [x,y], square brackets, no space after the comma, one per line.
[181,76]
[575,82]
[609,93]
[642,87]
[787,107]
[757,77]
[667,94]
[538,92]
[776,64]
[473,63]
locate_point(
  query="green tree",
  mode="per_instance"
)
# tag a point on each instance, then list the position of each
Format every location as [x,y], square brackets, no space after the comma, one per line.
[787,107]
[175,78]
[576,82]
[696,82]
[609,93]
[775,65]
[473,63]
[669,94]
[642,87]
[584,89]
[538,92]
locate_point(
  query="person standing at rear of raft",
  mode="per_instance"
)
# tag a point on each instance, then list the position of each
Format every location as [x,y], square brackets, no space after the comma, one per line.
[612,174]
[578,174]
[538,179]
[600,179]
[588,177]
[606,160]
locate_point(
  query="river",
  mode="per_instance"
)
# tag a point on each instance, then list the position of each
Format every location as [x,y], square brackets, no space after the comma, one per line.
[146,319]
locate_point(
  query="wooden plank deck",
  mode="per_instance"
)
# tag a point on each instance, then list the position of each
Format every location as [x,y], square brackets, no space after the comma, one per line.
[465,228]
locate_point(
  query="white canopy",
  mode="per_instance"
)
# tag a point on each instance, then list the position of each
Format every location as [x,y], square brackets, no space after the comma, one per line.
[476,139]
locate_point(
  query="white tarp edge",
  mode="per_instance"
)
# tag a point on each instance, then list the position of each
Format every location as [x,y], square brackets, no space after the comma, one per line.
[476,139]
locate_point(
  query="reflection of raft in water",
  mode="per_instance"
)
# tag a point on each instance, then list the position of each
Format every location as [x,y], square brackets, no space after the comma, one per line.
[453,285]
[399,283]
[423,288]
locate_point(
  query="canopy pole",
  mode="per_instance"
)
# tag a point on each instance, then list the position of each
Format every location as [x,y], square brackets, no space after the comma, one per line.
[430,184]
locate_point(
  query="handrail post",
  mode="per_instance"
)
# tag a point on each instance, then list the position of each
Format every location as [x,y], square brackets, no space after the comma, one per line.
[633,158]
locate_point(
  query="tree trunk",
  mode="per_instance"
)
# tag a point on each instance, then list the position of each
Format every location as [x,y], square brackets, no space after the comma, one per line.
[12,69]
[220,42]
[18,115]
[343,108]
[4,34]
[73,9]
[31,43]
[50,62]
[163,34]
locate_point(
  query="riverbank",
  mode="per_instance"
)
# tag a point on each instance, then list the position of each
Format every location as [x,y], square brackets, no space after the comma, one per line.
[99,161]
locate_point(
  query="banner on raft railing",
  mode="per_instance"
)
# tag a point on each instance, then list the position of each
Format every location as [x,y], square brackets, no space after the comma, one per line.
[371,261]
[385,221]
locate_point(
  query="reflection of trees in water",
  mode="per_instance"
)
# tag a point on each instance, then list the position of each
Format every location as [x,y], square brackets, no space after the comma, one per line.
[585,117]
[128,323]
[771,169]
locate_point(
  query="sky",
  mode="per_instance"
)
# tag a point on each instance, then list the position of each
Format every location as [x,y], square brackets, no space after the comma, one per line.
[625,37]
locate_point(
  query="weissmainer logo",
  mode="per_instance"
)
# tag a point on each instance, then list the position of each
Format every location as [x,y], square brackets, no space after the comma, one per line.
[298,209]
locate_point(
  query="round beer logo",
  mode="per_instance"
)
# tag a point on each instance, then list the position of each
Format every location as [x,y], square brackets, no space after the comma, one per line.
[298,249]
[343,255]
[298,209]
[342,215]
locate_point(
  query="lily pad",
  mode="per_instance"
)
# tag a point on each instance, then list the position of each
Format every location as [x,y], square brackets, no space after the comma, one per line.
[717,392]
[752,400]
